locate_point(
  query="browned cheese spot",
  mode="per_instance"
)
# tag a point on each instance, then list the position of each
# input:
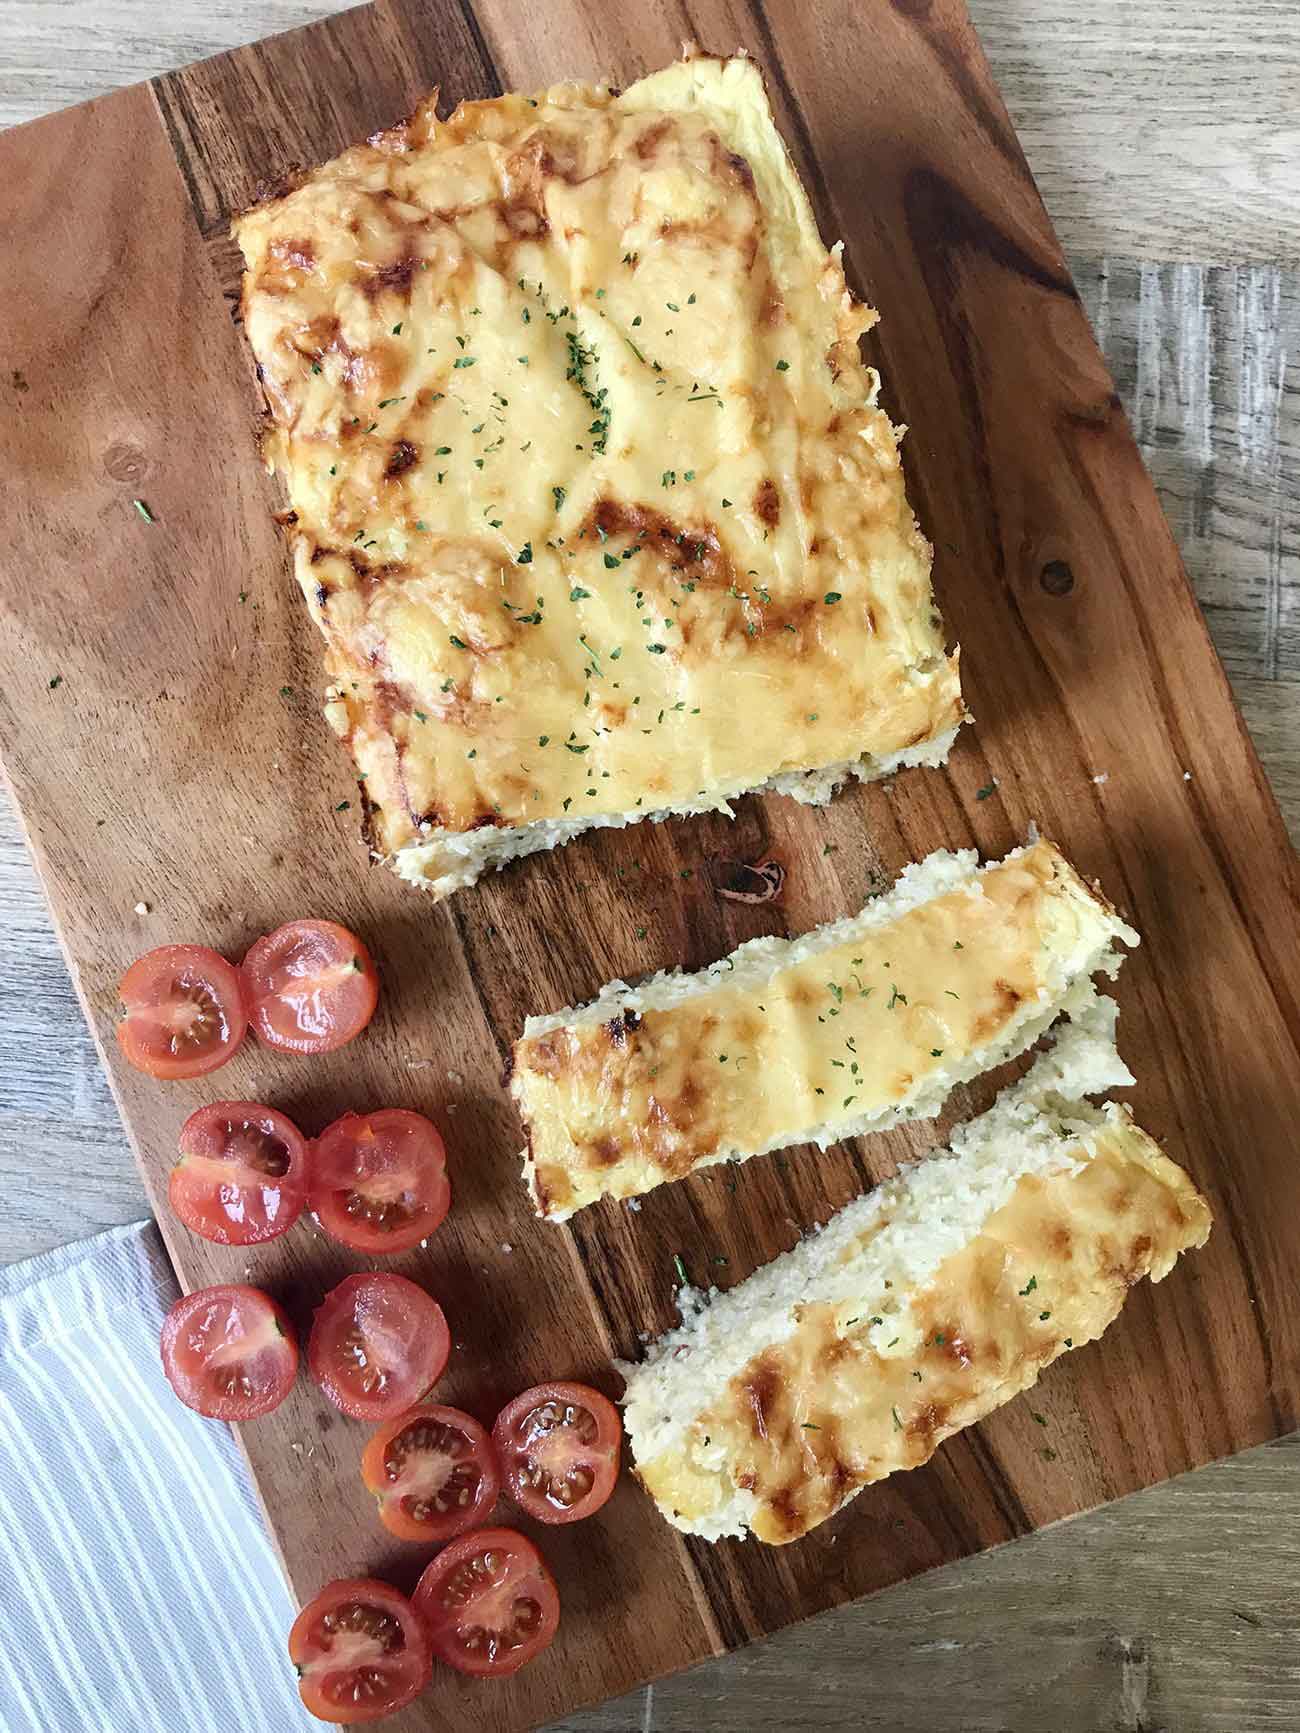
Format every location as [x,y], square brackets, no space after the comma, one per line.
[691,559]
[740,170]
[299,254]
[548,1055]
[603,1152]
[524,220]
[926,1424]
[647,145]
[401,458]
[767,503]
[619,1028]
[763,1390]
[954,1347]
[395,276]
[1008,997]
[771,311]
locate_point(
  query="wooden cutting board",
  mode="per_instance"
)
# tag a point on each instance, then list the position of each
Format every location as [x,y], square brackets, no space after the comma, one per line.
[159,724]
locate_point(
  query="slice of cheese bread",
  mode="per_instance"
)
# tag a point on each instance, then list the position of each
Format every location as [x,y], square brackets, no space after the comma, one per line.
[851,1028]
[916,1309]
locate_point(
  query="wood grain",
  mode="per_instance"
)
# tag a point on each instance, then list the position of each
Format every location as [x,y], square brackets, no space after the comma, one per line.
[1019,459]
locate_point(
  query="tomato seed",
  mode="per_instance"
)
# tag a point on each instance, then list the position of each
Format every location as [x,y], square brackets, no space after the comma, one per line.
[359,1619]
[386,1216]
[255,1148]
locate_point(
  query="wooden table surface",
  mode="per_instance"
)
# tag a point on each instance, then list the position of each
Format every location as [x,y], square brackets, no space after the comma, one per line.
[1165,145]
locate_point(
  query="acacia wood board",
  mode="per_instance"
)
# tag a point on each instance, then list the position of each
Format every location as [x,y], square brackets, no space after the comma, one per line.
[160,727]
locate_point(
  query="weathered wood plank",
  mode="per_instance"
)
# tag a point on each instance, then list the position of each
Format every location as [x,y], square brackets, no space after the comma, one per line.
[1206,363]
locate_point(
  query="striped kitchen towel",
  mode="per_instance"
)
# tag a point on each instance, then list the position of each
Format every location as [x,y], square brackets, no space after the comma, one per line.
[138,1589]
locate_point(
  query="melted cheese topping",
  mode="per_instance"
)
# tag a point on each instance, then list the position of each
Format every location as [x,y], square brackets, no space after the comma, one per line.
[866,1026]
[823,1412]
[590,496]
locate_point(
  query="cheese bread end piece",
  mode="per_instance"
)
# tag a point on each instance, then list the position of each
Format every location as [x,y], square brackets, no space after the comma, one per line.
[849,1029]
[590,493]
[916,1310]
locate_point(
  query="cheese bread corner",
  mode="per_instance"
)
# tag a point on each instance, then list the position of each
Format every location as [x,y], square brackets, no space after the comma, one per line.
[916,1310]
[590,492]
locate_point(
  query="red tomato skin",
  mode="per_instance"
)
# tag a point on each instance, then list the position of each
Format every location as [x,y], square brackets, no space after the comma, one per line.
[221,1210]
[600,1458]
[400,1143]
[427,1326]
[532,1573]
[433,1530]
[172,964]
[411,1675]
[309,1022]
[175,1349]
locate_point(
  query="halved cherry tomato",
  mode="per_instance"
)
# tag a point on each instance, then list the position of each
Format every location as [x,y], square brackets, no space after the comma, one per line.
[229,1352]
[559,1448]
[310,987]
[378,1181]
[378,1343]
[361,1652]
[434,1472]
[183,1011]
[241,1174]
[488,1602]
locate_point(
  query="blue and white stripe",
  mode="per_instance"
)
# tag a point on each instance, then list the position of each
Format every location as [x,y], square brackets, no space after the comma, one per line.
[139,1589]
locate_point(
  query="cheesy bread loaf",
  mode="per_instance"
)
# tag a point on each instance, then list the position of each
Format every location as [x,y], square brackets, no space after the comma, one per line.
[590,494]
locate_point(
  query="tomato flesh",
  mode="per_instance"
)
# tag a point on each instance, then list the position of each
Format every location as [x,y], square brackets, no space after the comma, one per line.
[229,1352]
[361,1652]
[182,1012]
[241,1175]
[434,1472]
[378,1343]
[559,1449]
[488,1602]
[310,986]
[378,1181]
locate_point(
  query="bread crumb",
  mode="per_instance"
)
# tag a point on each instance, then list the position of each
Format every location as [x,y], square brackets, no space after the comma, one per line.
[455,1079]
[1101,777]
[506,1247]
[1187,776]
[142,908]
[633,1203]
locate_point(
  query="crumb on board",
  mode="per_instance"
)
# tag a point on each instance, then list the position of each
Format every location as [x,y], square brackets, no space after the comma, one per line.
[1100,777]
[142,908]
[506,1247]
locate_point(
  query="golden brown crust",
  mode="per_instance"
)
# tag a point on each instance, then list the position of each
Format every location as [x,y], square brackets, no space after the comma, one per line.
[822,1412]
[584,462]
